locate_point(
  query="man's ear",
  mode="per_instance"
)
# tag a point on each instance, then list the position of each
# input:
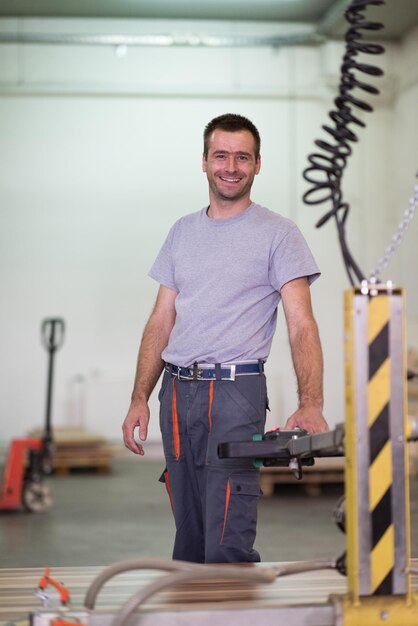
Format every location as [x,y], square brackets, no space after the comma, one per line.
[203,162]
[258,164]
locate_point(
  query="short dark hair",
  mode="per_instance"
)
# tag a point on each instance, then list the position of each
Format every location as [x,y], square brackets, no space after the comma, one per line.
[232,123]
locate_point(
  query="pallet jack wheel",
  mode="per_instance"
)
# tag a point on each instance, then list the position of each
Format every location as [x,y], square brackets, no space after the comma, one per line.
[37,497]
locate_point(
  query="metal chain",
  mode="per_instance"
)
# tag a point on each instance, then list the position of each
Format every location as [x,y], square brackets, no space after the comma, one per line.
[397,238]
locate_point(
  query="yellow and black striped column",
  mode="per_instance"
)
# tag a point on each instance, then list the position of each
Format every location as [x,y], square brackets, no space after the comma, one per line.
[380,447]
[377,505]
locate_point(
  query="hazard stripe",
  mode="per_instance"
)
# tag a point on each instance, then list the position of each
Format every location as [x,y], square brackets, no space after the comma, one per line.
[382,558]
[386,586]
[378,392]
[381,518]
[378,350]
[382,564]
[378,316]
[380,475]
[379,433]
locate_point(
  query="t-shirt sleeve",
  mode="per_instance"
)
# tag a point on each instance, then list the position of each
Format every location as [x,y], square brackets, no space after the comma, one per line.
[162,269]
[292,259]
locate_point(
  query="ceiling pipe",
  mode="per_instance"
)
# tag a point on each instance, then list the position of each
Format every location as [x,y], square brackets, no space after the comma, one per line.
[164,40]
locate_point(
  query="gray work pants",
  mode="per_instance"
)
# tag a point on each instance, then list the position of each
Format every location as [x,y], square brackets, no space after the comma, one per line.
[214,501]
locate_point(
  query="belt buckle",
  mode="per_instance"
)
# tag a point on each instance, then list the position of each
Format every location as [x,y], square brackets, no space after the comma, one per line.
[195,372]
[192,373]
[232,372]
[181,376]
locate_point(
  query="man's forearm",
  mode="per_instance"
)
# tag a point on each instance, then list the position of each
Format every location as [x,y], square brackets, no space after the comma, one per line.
[150,363]
[149,367]
[306,351]
[154,340]
[308,363]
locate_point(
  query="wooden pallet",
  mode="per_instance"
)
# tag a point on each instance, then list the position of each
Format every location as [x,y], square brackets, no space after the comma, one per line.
[76,448]
[325,471]
[63,464]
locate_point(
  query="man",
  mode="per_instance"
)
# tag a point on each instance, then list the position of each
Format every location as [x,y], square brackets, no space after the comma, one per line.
[222,272]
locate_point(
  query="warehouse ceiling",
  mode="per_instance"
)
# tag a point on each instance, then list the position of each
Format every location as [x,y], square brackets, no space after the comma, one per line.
[327,16]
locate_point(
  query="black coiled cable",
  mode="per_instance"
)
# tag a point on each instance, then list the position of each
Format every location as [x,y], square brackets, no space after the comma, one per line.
[329,165]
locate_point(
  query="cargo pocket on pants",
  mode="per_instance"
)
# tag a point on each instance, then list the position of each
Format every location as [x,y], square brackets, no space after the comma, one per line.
[240,513]
[164,478]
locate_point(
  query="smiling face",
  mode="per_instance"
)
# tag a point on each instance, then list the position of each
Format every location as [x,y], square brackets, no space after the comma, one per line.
[230,166]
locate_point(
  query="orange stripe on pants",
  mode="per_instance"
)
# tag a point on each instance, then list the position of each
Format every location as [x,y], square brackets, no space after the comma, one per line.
[227,498]
[210,404]
[167,485]
[175,420]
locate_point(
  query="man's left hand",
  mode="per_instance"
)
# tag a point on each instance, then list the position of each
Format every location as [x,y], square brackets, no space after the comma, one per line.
[309,419]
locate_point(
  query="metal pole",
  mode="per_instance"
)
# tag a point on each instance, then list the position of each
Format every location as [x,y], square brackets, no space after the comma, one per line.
[53,338]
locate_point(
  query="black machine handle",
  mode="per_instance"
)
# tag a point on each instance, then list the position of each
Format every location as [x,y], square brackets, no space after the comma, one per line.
[286,448]
[52,333]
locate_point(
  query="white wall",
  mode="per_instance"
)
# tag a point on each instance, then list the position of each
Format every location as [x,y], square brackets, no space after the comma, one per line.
[404,176]
[101,154]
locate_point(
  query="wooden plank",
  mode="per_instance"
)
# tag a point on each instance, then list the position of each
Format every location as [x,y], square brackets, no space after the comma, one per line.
[72,436]
[17,588]
[63,468]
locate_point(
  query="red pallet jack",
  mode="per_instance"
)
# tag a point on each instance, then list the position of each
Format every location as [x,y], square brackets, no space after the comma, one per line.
[30,459]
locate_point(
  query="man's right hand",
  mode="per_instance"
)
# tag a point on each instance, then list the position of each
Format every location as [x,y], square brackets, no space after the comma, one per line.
[137,417]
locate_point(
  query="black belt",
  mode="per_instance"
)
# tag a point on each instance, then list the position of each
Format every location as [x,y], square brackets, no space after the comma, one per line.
[216,371]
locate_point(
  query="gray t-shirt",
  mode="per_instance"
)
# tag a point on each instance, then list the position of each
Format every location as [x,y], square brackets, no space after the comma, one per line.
[228,275]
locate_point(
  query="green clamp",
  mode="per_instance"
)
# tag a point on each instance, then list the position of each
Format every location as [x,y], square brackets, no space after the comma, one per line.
[258,462]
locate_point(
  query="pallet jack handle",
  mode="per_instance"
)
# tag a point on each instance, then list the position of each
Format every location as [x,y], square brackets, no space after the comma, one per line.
[52,333]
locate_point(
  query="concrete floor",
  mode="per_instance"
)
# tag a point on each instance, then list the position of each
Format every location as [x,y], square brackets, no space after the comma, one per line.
[98,519]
